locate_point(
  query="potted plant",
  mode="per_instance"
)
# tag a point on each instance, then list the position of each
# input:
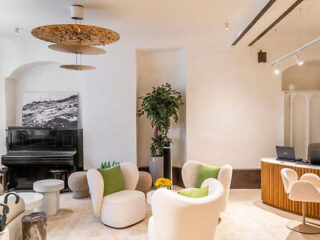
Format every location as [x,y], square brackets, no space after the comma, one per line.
[161,105]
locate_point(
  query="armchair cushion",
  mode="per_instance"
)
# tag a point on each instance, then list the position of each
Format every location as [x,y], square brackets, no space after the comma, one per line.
[206,172]
[112,179]
[195,192]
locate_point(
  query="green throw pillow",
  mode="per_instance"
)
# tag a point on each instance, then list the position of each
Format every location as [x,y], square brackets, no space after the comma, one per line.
[195,192]
[113,181]
[206,172]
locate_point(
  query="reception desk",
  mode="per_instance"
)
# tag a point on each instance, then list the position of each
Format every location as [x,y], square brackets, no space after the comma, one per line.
[272,191]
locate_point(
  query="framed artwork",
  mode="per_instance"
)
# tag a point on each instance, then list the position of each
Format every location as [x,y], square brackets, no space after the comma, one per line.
[50,109]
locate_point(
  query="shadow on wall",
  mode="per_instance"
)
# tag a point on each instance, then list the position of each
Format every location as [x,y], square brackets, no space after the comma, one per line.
[37,77]
[305,77]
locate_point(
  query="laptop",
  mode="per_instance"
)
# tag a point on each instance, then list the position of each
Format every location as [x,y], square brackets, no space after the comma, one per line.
[315,158]
[286,153]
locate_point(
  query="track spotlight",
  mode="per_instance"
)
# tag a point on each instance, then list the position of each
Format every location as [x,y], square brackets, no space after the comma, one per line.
[298,60]
[277,69]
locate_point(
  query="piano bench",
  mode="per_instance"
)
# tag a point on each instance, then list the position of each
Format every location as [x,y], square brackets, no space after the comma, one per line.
[61,174]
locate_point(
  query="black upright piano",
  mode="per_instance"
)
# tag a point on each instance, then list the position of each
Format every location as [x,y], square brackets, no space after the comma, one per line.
[32,153]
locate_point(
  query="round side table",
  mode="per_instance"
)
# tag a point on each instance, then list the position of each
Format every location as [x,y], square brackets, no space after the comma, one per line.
[31,200]
[50,189]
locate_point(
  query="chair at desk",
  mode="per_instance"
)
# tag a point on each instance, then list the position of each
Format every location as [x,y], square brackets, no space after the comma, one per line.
[313,147]
[306,189]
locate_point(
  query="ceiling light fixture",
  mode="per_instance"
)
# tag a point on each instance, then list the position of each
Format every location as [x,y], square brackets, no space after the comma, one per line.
[298,60]
[295,53]
[277,70]
[226,25]
[76,38]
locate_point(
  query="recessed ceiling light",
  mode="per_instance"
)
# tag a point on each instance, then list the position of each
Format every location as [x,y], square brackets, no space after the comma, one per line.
[226,25]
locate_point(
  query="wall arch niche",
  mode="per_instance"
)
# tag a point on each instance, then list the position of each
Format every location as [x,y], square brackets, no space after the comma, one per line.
[38,77]
[301,108]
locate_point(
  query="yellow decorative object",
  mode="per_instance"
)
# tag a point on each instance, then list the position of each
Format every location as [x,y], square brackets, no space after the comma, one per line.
[163,182]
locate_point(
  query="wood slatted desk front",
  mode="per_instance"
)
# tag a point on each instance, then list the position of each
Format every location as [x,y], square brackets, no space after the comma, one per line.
[272,191]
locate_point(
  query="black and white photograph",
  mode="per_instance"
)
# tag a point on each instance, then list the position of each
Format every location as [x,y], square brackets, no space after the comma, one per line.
[50,109]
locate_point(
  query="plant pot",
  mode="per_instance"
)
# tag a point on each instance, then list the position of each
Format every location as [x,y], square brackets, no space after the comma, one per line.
[156,168]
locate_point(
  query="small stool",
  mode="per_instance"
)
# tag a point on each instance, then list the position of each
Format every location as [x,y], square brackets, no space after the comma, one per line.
[79,185]
[34,226]
[50,189]
[61,174]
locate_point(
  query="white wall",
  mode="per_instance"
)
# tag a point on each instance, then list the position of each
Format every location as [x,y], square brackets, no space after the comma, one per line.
[40,77]
[305,77]
[154,68]
[233,112]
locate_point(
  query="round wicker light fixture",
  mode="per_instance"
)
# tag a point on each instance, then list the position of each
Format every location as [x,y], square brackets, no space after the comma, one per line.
[76,48]
[76,38]
[76,34]
[77,67]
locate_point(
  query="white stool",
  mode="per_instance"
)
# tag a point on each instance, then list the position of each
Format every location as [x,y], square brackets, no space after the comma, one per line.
[50,189]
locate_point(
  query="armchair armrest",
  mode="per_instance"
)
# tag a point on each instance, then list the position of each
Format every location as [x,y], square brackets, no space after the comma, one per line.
[144,182]
[312,178]
[224,176]
[96,186]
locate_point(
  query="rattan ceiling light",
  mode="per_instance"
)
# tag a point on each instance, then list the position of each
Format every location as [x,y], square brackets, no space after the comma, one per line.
[76,48]
[77,67]
[76,38]
[76,34]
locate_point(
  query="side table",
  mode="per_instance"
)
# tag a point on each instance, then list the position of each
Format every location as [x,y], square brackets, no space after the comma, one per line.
[50,189]
[31,200]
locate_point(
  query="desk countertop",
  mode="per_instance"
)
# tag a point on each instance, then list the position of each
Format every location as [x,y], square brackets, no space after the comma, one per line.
[289,163]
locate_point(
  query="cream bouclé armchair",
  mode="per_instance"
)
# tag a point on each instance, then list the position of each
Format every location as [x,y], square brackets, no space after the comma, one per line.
[14,217]
[121,209]
[190,173]
[176,217]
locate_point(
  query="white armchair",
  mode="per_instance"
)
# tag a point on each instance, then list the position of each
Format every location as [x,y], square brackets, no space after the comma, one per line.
[306,189]
[14,217]
[120,209]
[176,217]
[190,173]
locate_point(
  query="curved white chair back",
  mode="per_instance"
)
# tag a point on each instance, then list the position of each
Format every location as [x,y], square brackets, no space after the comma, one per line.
[190,173]
[130,174]
[289,177]
[304,191]
[176,217]
[96,186]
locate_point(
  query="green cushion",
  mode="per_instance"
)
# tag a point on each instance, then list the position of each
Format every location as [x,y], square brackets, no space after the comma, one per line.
[113,181]
[206,172]
[195,192]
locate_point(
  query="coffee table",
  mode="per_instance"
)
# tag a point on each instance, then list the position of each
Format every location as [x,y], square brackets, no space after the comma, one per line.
[31,200]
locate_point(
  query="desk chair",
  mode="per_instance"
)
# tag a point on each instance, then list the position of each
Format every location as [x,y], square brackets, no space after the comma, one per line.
[307,189]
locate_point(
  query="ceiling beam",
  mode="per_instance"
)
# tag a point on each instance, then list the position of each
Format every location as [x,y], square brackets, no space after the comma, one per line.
[254,21]
[282,16]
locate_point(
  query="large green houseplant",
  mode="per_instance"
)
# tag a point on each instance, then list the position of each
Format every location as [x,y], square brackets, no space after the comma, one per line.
[160,106]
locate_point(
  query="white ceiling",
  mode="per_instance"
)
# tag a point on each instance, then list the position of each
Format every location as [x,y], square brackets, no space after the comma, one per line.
[167,16]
